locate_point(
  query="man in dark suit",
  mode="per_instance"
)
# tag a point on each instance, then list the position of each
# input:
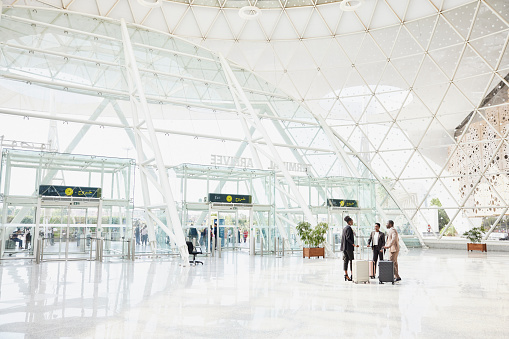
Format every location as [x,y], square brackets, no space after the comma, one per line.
[376,242]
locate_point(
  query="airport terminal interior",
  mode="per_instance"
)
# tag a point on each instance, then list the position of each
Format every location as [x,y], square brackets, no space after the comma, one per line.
[201,168]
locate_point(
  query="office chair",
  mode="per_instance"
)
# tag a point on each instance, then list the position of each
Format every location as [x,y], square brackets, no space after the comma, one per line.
[191,249]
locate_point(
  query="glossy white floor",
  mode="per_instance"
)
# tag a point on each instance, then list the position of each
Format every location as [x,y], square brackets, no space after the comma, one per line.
[443,293]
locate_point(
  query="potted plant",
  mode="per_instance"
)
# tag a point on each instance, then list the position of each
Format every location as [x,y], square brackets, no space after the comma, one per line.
[312,238]
[475,237]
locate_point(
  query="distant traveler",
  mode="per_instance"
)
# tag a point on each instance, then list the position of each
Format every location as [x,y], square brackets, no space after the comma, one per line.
[376,242]
[392,243]
[347,246]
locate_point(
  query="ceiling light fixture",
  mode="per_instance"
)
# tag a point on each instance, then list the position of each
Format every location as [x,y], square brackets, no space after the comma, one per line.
[350,5]
[249,12]
[151,4]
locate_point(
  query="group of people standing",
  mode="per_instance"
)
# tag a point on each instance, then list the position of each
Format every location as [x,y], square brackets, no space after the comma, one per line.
[379,243]
[141,235]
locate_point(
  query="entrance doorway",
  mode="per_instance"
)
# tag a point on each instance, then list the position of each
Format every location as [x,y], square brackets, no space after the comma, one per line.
[68,227]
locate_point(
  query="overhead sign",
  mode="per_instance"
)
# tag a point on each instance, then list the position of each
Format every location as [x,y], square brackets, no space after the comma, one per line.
[342,203]
[233,198]
[69,191]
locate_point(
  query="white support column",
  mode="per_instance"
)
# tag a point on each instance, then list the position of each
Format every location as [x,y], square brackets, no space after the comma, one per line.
[140,107]
[238,92]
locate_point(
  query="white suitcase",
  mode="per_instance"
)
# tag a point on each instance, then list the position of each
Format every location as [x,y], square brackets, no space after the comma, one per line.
[360,269]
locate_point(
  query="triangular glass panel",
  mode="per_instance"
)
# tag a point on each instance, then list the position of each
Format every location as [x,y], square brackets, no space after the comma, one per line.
[382,168]
[338,78]
[376,132]
[417,167]
[220,29]
[453,103]
[268,21]
[236,54]
[369,52]
[252,32]
[377,109]
[318,49]
[350,44]
[355,86]
[432,96]
[471,64]
[236,23]
[302,59]
[490,47]
[422,30]
[447,58]
[501,7]
[413,108]
[486,22]
[188,25]
[444,194]
[385,38]
[399,7]
[372,72]
[301,80]
[430,74]
[285,51]
[461,18]
[331,15]
[439,139]
[405,45]
[316,27]
[419,9]
[106,6]
[344,130]
[349,23]
[205,17]
[397,140]
[415,129]
[391,81]
[444,35]
[286,84]
[267,61]
[364,14]
[253,51]
[383,16]
[408,67]
[475,88]
[284,30]
[299,18]
[335,56]
[318,86]
[356,138]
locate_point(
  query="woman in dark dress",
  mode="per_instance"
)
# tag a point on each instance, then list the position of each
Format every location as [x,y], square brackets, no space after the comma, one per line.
[347,246]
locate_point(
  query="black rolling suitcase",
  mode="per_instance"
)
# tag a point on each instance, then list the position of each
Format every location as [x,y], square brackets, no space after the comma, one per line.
[386,271]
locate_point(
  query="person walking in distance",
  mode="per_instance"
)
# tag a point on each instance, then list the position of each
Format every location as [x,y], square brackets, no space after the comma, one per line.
[347,246]
[392,244]
[376,242]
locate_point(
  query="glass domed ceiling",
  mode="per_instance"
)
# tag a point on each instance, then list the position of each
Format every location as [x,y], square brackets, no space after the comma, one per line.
[448,55]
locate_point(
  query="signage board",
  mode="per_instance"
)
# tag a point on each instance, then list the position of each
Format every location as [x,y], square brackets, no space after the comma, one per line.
[233,198]
[342,203]
[69,191]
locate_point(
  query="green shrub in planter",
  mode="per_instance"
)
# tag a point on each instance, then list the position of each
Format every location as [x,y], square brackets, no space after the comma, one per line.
[475,234]
[312,237]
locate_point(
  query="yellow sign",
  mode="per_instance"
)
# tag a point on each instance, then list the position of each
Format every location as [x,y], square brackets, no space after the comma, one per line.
[342,203]
[69,191]
[229,198]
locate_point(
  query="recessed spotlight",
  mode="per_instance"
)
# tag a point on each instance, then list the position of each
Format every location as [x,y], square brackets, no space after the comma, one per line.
[350,5]
[151,4]
[249,12]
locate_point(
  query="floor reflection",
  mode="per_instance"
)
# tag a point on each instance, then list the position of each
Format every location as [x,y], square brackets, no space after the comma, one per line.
[243,296]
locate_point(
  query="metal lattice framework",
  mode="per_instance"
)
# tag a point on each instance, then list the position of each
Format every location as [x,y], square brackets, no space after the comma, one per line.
[392,80]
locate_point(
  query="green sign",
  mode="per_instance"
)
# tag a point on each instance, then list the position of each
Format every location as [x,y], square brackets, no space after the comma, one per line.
[233,198]
[342,203]
[69,191]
